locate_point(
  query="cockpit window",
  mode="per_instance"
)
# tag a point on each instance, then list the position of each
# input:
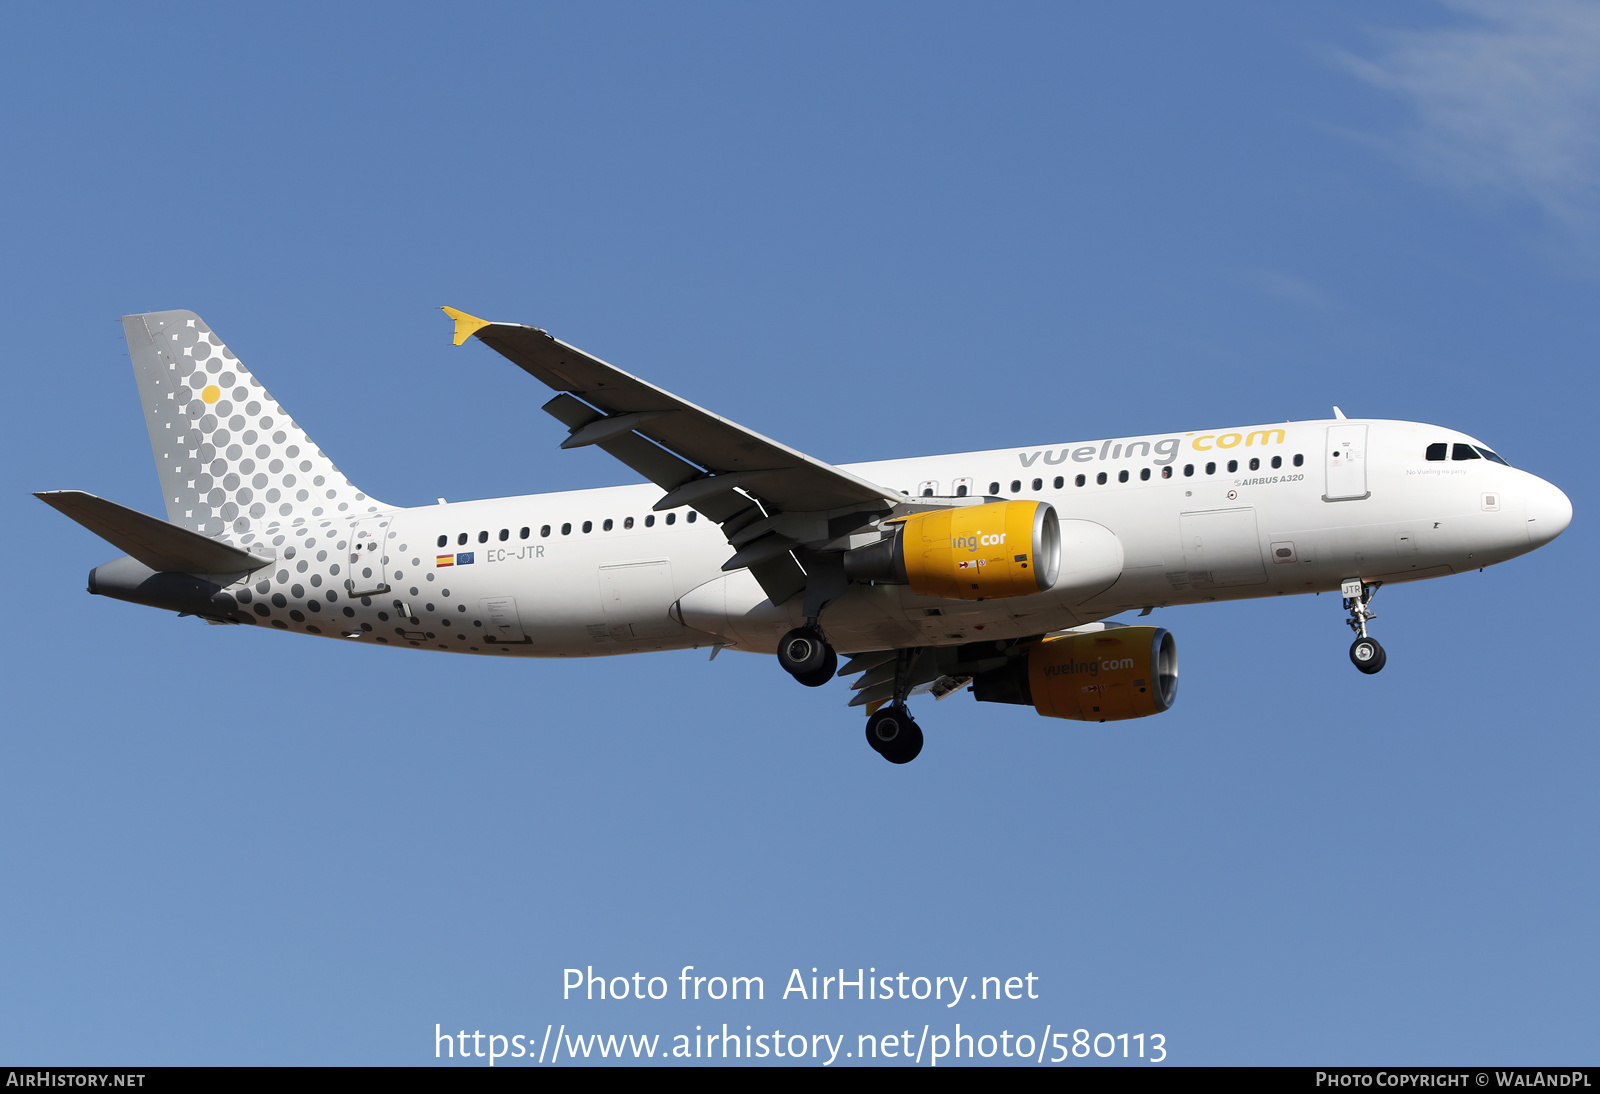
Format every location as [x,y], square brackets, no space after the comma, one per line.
[1438,451]
[1488,455]
[1464,452]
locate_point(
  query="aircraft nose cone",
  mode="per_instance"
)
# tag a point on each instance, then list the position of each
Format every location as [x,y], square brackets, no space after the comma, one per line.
[1549,513]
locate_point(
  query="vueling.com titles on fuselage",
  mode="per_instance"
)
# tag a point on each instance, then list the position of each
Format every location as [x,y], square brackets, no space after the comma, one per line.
[1166,448]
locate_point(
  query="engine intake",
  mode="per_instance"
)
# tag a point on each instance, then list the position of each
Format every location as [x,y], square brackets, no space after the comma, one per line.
[1098,676]
[971,552]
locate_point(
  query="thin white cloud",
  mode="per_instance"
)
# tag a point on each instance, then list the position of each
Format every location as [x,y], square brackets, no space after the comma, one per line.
[1506,99]
[1289,288]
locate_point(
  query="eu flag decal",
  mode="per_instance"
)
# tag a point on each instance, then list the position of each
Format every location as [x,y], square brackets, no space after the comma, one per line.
[464,558]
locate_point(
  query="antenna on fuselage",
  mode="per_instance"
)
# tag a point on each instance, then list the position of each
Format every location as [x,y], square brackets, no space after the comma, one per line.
[1339,414]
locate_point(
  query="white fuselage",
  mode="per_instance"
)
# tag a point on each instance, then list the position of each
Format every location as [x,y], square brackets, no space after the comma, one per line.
[595,572]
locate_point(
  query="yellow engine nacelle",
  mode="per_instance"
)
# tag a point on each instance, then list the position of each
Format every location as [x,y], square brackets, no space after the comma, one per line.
[1097,676]
[971,552]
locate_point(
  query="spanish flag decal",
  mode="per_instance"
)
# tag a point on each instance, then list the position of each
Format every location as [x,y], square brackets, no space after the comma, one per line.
[444,560]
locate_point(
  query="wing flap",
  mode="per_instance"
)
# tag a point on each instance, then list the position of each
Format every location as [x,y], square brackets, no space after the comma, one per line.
[165,548]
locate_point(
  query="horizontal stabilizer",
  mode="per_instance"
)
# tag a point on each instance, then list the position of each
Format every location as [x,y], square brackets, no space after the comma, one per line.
[165,548]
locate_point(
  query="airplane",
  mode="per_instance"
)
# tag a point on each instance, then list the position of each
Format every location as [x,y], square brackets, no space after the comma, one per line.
[996,572]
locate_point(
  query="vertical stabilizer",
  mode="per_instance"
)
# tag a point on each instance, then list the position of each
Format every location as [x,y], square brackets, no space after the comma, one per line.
[229,458]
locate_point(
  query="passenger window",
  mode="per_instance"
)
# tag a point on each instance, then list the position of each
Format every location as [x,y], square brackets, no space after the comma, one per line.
[483,537]
[1233,465]
[672,518]
[606,527]
[1016,486]
[1436,452]
[927,489]
[1144,474]
[544,531]
[994,488]
[1166,472]
[505,534]
[1060,482]
[1188,470]
[566,529]
[1122,476]
[523,534]
[693,516]
[1299,459]
[1488,455]
[1277,462]
[1211,469]
[963,487]
[1255,463]
[461,540]
[443,540]
[650,521]
[961,491]
[1464,452]
[588,526]
[627,522]
[1038,485]
[1100,479]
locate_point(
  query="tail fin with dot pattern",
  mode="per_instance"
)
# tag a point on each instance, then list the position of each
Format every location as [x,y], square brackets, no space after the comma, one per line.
[231,460]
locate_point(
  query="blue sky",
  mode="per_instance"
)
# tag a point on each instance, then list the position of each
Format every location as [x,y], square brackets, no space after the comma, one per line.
[869,231]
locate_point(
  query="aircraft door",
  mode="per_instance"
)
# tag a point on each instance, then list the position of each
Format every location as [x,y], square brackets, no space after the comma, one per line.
[635,597]
[501,621]
[369,557]
[1221,547]
[1345,456]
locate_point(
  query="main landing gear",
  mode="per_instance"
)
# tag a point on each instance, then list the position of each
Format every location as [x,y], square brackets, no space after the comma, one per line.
[891,731]
[1365,653]
[894,735]
[806,655]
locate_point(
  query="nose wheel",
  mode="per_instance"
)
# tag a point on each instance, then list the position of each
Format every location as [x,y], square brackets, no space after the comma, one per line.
[1365,652]
[893,735]
[1367,655]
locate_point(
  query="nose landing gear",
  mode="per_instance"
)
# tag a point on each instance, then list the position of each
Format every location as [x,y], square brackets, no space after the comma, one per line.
[1365,652]
[806,655]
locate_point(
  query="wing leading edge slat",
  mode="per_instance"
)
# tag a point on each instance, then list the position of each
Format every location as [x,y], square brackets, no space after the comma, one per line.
[700,459]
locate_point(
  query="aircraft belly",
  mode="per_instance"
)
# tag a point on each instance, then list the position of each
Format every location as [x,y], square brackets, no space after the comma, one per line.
[875,617]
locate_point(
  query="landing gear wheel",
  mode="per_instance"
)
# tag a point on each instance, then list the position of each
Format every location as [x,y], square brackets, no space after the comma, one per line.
[817,677]
[1367,655]
[894,736]
[806,655]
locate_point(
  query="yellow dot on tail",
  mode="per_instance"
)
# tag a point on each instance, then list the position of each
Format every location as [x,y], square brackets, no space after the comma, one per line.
[211,393]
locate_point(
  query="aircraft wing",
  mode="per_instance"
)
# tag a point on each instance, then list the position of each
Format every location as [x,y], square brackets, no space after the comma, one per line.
[700,459]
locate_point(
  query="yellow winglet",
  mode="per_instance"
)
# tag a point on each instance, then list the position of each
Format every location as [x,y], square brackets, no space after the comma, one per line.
[466,325]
